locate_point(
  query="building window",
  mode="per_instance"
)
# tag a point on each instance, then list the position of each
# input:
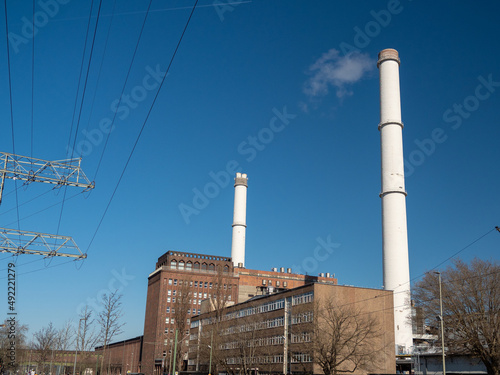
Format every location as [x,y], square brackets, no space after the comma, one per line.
[173,264]
[211,267]
[175,292]
[206,284]
[173,299]
[204,295]
[264,282]
[210,285]
[203,266]
[277,283]
[300,357]
[169,292]
[168,299]
[196,265]
[168,309]
[169,281]
[199,311]
[181,265]
[302,298]
[167,320]
[173,320]
[175,281]
[189,266]
[190,283]
[196,284]
[285,284]
[194,302]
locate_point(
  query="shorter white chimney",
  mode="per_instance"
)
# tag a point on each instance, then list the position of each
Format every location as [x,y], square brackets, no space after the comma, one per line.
[239,219]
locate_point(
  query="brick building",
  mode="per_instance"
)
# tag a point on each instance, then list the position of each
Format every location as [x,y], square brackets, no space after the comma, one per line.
[273,334]
[178,285]
[120,357]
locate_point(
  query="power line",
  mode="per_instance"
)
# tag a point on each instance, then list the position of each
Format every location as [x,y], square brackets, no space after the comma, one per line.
[28,201]
[143,126]
[10,100]
[44,209]
[79,78]
[100,67]
[123,88]
[32,77]
[82,99]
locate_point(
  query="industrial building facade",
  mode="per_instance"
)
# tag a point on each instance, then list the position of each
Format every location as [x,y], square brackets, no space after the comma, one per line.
[179,284]
[279,333]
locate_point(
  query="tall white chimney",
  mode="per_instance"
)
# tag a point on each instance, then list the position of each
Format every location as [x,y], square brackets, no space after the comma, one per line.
[394,232]
[239,219]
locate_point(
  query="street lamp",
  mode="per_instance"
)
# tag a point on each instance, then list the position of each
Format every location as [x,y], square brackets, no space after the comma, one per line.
[77,338]
[210,346]
[441,320]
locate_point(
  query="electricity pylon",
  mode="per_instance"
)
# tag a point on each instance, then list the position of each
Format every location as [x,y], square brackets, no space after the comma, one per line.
[59,172]
[33,242]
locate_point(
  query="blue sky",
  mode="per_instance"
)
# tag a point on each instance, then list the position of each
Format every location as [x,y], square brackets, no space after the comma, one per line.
[285,91]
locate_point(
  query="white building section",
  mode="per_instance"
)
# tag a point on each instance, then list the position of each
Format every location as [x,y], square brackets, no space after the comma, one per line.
[239,219]
[394,232]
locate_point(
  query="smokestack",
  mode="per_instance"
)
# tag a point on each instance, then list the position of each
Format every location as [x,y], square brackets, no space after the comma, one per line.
[239,219]
[394,233]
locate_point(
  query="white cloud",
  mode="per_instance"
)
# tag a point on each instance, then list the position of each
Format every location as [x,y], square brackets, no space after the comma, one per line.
[337,71]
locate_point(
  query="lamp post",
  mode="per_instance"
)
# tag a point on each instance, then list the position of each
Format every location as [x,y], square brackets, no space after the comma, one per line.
[175,349]
[211,345]
[77,338]
[441,320]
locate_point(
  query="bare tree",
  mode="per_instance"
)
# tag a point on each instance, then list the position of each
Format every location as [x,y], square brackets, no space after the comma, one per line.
[65,336]
[12,339]
[213,339]
[181,306]
[108,320]
[345,339]
[65,339]
[471,309]
[45,341]
[87,338]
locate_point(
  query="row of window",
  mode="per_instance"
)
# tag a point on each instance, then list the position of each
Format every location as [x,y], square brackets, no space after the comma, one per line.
[301,337]
[181,265]
[171,330]
[262,341]
[266,307]
[189,311]
[197,284]
[278,358]
[301,358]
[194,294]
[304,317]
[270,323]
[194,301]
[302,298]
